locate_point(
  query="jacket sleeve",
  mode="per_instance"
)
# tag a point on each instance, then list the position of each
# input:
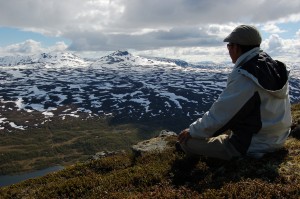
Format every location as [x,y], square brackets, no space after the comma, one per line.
[238,91]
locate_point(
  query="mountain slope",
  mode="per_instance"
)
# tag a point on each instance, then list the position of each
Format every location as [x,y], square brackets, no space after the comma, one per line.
[130,88]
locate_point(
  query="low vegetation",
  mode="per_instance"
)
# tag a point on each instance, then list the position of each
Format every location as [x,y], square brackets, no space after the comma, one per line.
[169,174]
[65,142]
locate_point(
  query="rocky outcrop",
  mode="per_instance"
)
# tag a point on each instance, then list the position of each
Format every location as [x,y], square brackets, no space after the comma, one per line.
[158,143]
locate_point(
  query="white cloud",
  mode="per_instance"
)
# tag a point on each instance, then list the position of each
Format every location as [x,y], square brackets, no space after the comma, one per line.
[183,27]
[193,54]
[283,49]
[57,17]
[289,18]
[272,28]
[29,47]
[221,30]
[59,46]
[274,43]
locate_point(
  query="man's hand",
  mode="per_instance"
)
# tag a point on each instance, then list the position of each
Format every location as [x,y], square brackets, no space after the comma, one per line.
[184,136]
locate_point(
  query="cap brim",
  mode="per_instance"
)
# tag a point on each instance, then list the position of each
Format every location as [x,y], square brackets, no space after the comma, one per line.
[227,39]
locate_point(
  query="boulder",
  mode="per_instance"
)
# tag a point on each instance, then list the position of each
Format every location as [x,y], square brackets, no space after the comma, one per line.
[156,144]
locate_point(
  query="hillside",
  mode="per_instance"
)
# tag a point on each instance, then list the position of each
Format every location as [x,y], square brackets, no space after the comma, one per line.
[169,174]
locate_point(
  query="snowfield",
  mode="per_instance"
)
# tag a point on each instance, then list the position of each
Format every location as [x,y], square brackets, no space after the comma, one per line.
[131,88]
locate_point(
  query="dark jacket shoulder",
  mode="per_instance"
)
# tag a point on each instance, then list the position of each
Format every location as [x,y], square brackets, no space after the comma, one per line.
[271,74]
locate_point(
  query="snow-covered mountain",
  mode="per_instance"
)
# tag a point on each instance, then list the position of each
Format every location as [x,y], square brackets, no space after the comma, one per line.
[128,87]
[178,62]
[124,58]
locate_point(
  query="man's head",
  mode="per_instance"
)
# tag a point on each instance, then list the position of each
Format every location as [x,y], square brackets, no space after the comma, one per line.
[245,35]
[242,39]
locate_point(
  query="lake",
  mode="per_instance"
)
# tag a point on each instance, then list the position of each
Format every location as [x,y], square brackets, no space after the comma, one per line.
[12,179]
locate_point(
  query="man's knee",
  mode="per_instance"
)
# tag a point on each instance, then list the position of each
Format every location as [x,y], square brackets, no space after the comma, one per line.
[216,147]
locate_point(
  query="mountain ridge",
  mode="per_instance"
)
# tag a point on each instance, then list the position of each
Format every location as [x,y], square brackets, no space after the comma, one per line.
[65,59]
[123,57]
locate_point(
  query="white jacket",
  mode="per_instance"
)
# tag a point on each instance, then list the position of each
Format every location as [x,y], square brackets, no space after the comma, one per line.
[255,106]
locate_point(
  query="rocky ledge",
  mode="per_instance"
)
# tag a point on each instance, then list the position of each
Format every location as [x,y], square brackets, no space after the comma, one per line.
[156,144]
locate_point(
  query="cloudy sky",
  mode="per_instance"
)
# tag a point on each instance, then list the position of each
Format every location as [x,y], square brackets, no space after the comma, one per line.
[192,30]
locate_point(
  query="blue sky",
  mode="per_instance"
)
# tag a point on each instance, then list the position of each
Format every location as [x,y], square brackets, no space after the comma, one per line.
[192,30]
[9,36]
[291,29]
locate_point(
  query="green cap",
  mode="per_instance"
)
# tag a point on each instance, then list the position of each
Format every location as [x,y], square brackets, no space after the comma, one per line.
[244,35]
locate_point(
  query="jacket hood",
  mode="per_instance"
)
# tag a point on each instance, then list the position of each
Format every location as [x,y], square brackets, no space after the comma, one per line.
[271,75]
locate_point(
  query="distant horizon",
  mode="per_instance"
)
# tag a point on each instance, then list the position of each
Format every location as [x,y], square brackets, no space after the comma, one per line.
[103,54]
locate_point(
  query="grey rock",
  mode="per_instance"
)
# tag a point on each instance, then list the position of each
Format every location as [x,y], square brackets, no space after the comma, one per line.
[164,133]
[158,144]
[103,154]
[154,144]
